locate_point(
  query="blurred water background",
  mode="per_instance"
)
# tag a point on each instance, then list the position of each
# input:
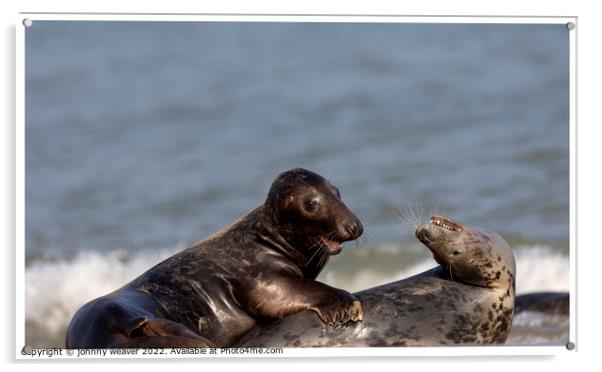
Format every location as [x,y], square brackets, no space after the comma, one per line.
[145,137]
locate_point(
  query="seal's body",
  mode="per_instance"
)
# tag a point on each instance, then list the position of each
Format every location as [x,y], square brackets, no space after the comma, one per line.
[263,266]
[469,299]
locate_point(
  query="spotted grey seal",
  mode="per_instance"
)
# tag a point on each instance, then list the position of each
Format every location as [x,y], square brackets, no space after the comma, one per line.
[468,299]
[263,266]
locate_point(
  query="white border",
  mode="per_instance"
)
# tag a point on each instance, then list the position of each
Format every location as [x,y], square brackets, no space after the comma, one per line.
[174,17]
[295,352]
[324,352]
[573,183]
[20,187]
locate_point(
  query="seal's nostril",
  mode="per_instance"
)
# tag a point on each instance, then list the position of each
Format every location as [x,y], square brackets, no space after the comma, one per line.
[350,227]
[354,229]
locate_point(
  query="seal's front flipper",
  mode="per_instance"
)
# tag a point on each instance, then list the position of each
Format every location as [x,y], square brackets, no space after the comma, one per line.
[342,307]
[130,326]
[165,333]
[144,332]
[136,326]
[164,327]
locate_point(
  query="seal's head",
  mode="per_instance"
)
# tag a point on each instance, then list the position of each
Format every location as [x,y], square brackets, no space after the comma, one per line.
[472,255]
[308,212]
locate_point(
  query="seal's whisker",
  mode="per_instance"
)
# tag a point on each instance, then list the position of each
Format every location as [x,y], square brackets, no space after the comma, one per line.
[361,241]
[420,212]
[407,228]
[317,244]
[357,241]
[410,218]
[368,224]
[399,213]
[320,249]
[323,260]
[411,214]
[414,212]
[403,220]
[328,172]
[368,227]
[406,225]
[402,213]
[367,235]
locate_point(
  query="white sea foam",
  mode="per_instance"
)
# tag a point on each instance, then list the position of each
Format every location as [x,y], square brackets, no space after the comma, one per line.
[367,276]
[56,289]
[539,268]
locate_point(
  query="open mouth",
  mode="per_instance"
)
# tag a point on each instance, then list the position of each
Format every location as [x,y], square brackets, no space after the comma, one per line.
[331,246]
[445,223]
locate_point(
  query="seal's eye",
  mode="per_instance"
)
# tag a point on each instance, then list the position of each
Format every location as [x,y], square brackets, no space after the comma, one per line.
[456,253]
[311,205]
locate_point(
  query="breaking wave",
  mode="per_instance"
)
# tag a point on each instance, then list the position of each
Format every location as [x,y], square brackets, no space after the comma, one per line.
[55,289]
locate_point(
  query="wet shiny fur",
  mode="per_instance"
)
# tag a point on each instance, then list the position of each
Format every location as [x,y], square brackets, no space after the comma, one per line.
[261,267]
[469,299]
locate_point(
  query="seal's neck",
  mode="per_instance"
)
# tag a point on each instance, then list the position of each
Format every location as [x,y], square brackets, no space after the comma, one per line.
[503,313]
[506,289]
[309,259]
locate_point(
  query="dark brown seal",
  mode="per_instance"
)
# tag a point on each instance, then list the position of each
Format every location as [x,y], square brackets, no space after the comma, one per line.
[468,300]
[262,266]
